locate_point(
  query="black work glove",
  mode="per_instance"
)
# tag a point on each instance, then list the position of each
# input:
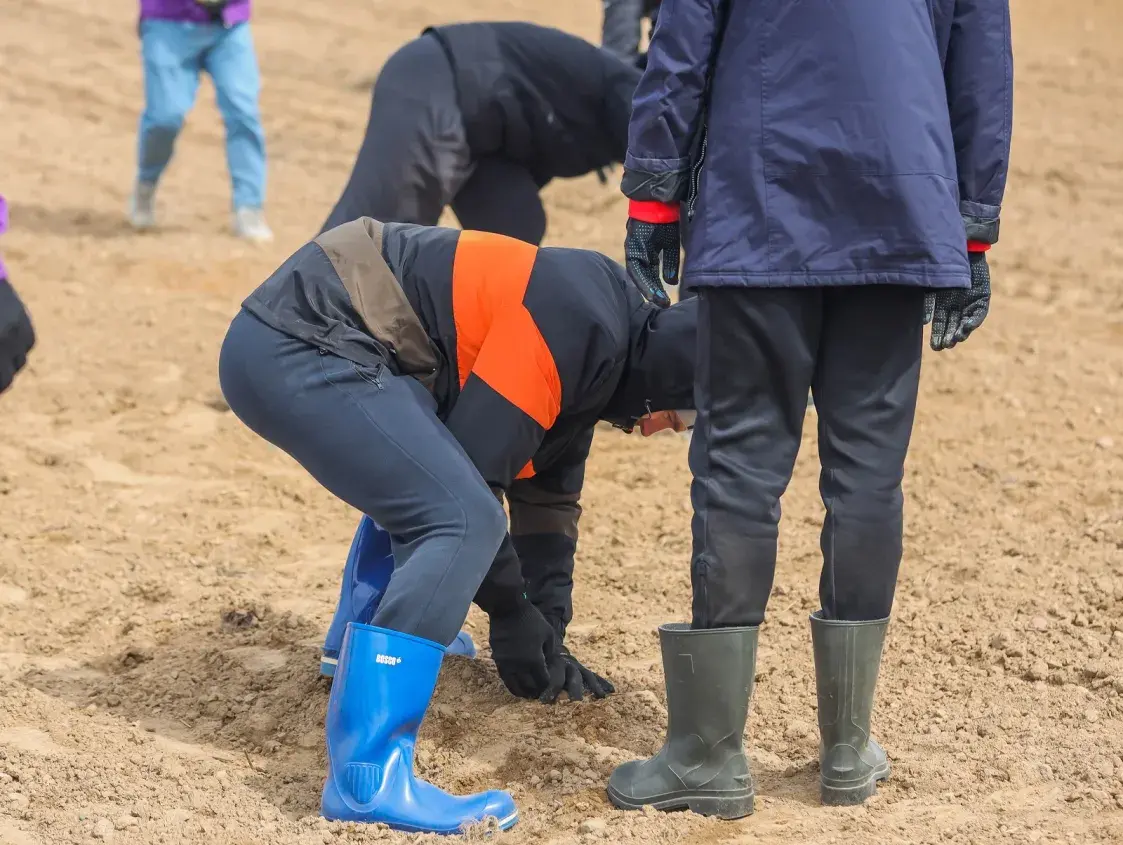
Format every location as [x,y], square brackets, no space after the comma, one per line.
[16,334]
[526,649]
[569,676]
[956,312]
[652,240]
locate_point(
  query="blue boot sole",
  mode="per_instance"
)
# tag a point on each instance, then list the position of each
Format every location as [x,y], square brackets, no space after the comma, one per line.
[504,824]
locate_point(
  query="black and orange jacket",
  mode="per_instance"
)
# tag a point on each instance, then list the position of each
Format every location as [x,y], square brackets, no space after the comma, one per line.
[535,343]
[524,348]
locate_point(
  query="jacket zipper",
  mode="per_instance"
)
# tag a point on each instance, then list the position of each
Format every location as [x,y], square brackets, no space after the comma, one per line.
[696,178]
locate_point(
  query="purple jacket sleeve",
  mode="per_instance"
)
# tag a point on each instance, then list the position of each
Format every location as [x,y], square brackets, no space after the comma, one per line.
[669,103]
[979,73]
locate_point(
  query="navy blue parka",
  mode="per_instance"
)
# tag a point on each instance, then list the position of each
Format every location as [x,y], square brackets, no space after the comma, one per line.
[826,142]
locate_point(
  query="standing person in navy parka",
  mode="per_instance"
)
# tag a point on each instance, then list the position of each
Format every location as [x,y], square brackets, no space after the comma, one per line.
[841,167]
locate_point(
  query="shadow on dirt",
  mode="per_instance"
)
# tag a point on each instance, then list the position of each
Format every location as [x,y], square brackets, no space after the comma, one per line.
[365,84]
[64,220]
[798,784]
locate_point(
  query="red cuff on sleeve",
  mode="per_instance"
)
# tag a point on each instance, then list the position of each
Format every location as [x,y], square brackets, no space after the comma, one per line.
[977,246]
[653,212]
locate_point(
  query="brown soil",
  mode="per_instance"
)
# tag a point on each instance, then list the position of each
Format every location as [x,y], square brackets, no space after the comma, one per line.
[136,512]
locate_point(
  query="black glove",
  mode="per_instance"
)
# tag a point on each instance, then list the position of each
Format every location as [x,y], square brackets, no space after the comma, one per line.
[16,334]
[526,649]
[652,242]
[956,312]
[575,680]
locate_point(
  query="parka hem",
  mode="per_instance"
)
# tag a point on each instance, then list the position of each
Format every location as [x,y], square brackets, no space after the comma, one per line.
[737,278]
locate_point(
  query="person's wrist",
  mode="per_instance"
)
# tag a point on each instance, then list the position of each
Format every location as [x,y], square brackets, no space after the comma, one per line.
[557,625]
[510,607]
[651,211]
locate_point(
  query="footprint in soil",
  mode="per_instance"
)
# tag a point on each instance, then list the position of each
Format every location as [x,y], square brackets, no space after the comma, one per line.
[258,659]
[111,472]
[11,595]
[30,741]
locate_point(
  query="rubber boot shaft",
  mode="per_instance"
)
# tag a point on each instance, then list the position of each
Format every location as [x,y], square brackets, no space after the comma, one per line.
[370,563]
[847,659]
[702,765]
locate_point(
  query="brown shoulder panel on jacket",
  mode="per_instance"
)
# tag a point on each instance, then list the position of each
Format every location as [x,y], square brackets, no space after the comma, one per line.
[355,251]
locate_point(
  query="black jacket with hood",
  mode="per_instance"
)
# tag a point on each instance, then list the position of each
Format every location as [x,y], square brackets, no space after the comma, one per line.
[541,97]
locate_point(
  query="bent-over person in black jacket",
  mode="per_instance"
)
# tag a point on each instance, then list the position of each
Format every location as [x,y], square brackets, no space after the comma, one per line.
[480,116]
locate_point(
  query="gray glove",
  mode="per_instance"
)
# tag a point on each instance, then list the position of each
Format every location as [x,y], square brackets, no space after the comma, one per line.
[956,312]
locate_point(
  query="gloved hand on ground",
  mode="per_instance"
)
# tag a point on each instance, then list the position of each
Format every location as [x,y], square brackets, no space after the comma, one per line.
[652,241]
[16,334]
[575,680]
[526,649]
[955,313]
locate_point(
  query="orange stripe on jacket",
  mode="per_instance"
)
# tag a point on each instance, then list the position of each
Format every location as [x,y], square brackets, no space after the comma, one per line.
[496,337]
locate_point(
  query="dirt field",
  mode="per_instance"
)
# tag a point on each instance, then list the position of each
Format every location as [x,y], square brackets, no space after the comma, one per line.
[135,513]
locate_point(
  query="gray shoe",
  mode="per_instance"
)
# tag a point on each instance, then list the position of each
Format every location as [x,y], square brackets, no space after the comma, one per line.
[249,223]
[142,206]
[847,658]
[702,765]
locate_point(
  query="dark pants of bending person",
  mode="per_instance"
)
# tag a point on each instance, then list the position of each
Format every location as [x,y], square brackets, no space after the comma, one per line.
[374,440]
[415,159]
[858,349]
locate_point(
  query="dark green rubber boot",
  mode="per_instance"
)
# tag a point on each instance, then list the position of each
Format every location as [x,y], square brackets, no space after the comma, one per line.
[847,658]
[702,766]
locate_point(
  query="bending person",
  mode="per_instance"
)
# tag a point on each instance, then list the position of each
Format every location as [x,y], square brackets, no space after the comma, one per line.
[480,116]
[455,364]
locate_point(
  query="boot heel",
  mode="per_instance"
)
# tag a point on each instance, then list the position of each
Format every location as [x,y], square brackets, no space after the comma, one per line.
[726,807]
[846,796]
[847,793]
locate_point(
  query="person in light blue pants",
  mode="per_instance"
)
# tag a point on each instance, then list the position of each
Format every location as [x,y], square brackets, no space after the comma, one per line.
[174,53]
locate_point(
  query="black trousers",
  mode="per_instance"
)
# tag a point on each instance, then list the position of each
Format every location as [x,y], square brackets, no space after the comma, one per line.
[374,440]
[415,160]
[858,350]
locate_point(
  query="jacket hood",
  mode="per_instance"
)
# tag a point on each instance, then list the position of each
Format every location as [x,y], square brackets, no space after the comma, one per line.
[659,373]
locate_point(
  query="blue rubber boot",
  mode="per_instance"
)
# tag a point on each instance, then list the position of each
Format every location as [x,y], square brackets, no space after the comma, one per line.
[383,685]
[370,563]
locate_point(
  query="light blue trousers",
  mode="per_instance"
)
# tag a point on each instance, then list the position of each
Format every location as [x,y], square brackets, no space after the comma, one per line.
[174,55]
